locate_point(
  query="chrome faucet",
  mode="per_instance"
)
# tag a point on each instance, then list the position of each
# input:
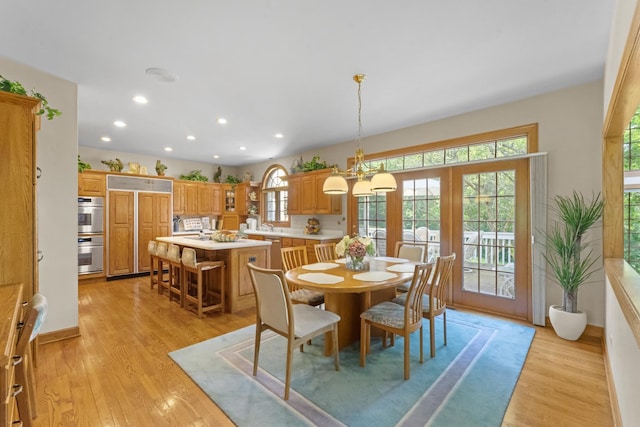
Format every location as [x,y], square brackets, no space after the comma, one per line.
[269,227]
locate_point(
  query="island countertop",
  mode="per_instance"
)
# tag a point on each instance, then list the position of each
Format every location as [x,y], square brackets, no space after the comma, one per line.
[212,245]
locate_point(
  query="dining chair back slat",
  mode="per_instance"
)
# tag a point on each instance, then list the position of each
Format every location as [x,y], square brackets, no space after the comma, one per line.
[325,252]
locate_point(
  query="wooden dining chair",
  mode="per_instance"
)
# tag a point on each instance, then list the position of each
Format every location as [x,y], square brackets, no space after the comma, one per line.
[203,290]
[298,323]
[325,252]
[294,257]
[397,319]
[23,360]
[414,252]
[434,302]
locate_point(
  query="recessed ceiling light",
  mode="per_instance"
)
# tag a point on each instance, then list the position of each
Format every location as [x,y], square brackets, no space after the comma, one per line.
[140,99]
[243,148]
[191,137]
[120,123]
[161,75]
[216,156]
[106,139]
[222,121]
[168,149]
[278,135]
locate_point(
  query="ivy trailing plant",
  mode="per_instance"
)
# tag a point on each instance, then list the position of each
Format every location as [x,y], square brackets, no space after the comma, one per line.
[314,164]
[195,175]
[17,88]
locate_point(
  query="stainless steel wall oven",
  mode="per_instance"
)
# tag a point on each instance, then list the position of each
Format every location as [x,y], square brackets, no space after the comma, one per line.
[90,215]
[90,254]
[90,235]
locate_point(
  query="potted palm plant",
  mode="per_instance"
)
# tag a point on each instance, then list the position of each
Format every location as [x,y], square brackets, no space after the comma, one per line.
[571,261]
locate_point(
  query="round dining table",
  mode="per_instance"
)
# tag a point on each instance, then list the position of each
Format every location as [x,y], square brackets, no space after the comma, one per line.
[348,293]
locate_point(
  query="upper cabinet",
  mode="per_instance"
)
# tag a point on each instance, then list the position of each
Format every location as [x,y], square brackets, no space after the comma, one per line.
[196,198]
[91,183]
[306,195]
[247,198]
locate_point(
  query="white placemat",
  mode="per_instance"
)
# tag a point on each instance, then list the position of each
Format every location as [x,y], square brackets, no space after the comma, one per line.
[390,259]
[402,268]
[374,276]
[319,266]
[321,278]
[341,261]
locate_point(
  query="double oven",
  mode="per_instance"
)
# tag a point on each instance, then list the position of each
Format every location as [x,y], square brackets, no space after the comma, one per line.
[90,235]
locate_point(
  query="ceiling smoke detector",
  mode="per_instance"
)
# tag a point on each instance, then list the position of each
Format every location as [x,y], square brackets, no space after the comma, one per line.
[161,75]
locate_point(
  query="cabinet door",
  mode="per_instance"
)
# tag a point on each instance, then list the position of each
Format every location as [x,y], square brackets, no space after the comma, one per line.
[230,222]
[294,194]
[325,203]
[308,190]
[178,197]
[190,206]
[217,199]
[229,193]
[205,199]
[91,184]
[154,220]
[120,232]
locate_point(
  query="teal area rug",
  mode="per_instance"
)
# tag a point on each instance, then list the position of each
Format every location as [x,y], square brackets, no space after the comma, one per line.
[468,383]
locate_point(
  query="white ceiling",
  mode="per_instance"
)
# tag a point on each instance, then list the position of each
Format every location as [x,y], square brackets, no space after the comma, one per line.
[286,66]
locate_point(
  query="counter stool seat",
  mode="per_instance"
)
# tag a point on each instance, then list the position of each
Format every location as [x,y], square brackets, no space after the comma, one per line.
[202,292]
[163,263]
[176,285]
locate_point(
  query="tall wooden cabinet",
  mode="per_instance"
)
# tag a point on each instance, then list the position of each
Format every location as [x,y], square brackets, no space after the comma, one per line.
[154,220]
[307,198]
[18,233]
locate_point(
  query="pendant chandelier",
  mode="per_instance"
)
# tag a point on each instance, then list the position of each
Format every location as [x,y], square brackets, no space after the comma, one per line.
[381,181]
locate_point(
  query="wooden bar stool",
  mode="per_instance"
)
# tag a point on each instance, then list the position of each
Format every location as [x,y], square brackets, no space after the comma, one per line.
[154,271]
[175,274]
[200,293]
[161,251]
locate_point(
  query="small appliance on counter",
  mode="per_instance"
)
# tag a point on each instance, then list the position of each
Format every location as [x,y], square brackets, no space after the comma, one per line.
[176,224]
[252,224]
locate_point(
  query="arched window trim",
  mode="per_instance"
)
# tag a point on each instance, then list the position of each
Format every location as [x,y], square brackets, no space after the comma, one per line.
[275,198]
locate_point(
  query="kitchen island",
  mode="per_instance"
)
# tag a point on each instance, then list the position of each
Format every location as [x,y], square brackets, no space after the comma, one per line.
[236,255]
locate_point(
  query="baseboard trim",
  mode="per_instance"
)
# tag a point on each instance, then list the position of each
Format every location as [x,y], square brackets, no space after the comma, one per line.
[59,335]
[613,395]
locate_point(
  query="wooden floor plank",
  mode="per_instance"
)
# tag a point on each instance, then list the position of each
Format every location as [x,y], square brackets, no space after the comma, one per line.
[118,373]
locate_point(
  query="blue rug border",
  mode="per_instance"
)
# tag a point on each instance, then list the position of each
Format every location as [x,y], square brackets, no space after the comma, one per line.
[471,319]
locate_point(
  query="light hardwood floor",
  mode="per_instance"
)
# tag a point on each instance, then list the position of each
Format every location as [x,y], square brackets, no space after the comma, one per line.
[118,372]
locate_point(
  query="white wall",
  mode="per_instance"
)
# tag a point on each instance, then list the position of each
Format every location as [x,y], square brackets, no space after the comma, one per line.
[175,167]
[56,194]
[622,17]
[622,348]
[569,130]
[623,356]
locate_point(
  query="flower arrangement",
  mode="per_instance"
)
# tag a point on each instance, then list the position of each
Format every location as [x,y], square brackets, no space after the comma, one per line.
[355,249]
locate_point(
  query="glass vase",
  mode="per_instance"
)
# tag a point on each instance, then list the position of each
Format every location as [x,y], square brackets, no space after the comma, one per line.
[356,263]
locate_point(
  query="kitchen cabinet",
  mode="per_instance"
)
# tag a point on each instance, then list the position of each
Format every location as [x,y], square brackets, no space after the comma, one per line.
[91,183]
[127,252]
[18,230]
[120,233]
[230,221]
[196,198]
[154,220]
[209,199]
[307,198]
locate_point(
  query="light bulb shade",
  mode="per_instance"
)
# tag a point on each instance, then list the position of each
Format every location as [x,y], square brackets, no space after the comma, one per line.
[362,188]
[383,182]
[335,184]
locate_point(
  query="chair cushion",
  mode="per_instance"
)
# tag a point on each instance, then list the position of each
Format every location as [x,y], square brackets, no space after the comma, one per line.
[404,287]
[309,319]
[306,296]
[403,298]
[386,313]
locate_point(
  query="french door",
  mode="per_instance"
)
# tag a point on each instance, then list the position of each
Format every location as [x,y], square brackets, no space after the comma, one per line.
[490,229]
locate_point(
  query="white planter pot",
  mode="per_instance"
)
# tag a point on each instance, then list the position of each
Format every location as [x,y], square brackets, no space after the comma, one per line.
[567,325]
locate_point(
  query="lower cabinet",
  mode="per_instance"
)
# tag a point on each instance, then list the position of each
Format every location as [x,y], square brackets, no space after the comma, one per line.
[238,288]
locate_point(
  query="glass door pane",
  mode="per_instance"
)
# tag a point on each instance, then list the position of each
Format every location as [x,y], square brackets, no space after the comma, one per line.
[421,213]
